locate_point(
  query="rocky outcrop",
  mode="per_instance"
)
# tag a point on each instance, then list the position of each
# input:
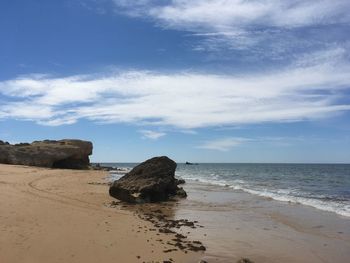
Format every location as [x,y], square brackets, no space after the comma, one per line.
[151,181]
[70,154]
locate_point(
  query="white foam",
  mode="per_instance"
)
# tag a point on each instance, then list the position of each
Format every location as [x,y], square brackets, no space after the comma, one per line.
[283,195]
[339,208]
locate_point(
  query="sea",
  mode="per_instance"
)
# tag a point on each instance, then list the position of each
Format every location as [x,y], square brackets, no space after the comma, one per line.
[322,186]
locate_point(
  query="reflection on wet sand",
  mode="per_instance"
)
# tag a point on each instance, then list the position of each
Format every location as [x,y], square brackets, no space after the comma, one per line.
[237,224]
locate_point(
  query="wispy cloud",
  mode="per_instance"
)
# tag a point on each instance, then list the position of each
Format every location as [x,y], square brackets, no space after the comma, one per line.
[223,144]
[153,135]
[229,143]
[221,15]
[310,88]
[246,25]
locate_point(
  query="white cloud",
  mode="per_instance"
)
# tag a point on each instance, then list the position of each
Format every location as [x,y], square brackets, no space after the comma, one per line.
[308,89]
[153,135]
[196,15]
[228,143]
[241,24]
[223,144]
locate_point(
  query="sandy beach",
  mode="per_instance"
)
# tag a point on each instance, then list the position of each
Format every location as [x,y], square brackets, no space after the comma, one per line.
[49,215]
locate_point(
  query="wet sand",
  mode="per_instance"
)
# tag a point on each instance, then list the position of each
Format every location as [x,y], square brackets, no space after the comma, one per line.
[64,216]
[238,224]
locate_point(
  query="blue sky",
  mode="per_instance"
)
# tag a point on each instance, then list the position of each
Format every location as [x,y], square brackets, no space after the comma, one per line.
[197,80]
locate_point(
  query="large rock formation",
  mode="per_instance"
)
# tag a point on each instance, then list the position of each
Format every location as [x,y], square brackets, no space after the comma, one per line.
[70,154]
[151,181]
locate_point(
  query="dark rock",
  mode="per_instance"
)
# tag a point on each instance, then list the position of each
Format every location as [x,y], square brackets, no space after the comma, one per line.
[245,260]
[180,236]
[180,181]
[100,167]
[188,163]
[196,248]
[70,154]
[151,181]
[181,192]
[166,231]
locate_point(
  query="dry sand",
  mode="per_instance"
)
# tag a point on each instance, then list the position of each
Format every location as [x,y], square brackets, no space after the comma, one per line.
[51,215]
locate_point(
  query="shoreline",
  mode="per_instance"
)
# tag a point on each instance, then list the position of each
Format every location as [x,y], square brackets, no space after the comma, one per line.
[239,224]
[323,203]
[278,198]
[49,215]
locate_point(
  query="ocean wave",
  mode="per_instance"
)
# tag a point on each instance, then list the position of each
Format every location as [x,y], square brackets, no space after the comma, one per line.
[283,195]
[330,206]
[118,173]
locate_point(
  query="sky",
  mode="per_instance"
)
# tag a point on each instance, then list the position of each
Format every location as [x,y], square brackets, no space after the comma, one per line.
[196,80]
